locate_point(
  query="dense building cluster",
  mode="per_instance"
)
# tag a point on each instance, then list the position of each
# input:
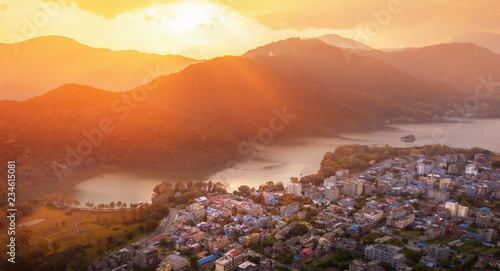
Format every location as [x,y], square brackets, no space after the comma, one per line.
[402,213]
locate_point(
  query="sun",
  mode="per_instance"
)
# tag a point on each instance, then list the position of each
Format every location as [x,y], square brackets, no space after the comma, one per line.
[185,16]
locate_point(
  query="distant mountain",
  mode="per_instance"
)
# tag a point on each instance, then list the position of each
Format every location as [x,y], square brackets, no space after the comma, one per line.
[461,65]
[213,112]
[487,40]
[341,42]
[342,74]
[32,67]
[208,114]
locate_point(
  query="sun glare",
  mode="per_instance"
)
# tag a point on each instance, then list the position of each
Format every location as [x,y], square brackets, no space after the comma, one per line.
[185,16]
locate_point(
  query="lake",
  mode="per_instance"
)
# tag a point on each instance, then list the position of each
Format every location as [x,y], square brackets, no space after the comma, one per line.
[278,161]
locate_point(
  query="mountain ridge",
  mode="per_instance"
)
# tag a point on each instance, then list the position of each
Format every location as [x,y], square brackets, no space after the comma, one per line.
[175,127]
[461,65]
[31,67]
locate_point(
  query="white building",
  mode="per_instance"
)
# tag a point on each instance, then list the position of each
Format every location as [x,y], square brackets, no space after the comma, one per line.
[332,193]
[489,235]
[375,215]
[295,189]
[483,217]
[445,183]
[330,181]
[437,252]
[355,188]
[471,169]
[385,253]
[452,206]
[462,211]
[423,169]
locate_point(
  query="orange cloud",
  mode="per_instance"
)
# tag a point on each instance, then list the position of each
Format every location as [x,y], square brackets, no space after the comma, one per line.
[339,14]
[4,6]
[110,8]
[419,23]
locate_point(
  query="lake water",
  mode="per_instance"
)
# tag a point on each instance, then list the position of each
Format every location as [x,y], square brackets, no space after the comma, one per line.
[280,160]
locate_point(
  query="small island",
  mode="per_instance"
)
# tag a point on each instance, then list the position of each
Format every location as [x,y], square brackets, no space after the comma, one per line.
[408,138]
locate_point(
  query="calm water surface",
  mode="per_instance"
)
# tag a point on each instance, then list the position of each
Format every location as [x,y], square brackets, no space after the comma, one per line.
[278,161]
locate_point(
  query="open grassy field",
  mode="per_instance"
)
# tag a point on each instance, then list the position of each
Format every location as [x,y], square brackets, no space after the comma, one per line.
[410,234]
[442,240]
[91,229]
[470,247]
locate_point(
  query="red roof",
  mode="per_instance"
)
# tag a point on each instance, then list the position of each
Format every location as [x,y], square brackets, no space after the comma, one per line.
[307,252]
[235,252]
[158,238]
[490,260]
[96,260]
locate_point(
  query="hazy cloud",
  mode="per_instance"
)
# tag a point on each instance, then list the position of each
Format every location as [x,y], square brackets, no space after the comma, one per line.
[4,6]
[111,8]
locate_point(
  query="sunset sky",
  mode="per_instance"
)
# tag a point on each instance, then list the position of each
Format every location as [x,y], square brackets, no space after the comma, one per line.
[207,28]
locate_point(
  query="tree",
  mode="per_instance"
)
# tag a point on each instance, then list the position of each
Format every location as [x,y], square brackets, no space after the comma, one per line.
[129,235]
[110,240]
[150,225]
[298,229]
[412,255]
[55,246]
[255,260]
[190,222]
[187,252]
[167,244]
[259,199]
[112,205]
[193,260]
[235,235]
[445,262]
[244,190]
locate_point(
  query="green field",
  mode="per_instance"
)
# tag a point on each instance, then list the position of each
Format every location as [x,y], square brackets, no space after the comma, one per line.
[90,229]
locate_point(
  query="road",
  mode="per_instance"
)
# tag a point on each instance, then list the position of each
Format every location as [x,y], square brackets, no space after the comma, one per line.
[165,226]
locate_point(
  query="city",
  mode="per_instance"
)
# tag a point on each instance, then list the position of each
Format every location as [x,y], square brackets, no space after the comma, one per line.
[408,212]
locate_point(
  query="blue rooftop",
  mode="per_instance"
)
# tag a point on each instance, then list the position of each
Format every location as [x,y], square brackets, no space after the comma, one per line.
[485,208]
[207,259]
[297,258]
[451,200]
[421,245]
[474,235]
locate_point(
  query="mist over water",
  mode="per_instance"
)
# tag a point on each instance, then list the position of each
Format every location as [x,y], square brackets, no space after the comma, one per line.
[283,159]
